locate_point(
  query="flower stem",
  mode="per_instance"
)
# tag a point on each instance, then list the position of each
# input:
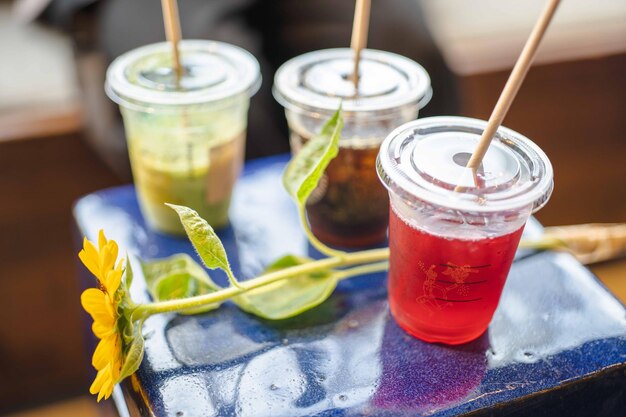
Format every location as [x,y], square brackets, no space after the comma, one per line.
[347,259]
[362,270]
[313,239]
[368,261]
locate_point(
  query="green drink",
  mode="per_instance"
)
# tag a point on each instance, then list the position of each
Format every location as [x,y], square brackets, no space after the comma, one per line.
[186,137]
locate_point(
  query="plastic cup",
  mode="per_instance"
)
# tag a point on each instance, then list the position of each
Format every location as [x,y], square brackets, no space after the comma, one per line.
[349,208]
[186,138]
[451,251]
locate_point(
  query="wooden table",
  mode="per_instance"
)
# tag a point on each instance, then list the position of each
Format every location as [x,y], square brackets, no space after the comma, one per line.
[40,178]
[613,275]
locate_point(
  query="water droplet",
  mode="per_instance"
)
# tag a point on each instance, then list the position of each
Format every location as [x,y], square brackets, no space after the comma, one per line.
[353,324]
[273,387]
[285,341]
[343,397]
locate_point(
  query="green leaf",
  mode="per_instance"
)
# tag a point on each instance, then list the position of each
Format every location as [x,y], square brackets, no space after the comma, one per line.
[125,305]
[178,276]
[205,241]
[128,274]
[133,354]
[288,297]
[286,261]
[305,169]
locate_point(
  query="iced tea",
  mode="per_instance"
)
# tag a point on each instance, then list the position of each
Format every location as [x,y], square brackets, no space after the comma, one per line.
[349,207]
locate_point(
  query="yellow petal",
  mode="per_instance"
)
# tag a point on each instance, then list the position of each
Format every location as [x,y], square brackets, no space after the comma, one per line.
[106,351]
[91,249]
[120,267]
[112,280]
[104,383]
[93,299]
[108,256]
[106,390]
[100,356]
[101,378]
[110,389]
[98,305]
[102,240]
[116,368]
[89,257]
[102,330]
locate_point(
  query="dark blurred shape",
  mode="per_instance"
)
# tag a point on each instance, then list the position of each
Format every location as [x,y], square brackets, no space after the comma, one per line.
[273,31]
[42,356]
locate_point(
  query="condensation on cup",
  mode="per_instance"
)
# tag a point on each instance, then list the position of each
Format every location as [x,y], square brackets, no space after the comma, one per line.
[349,207]
[452,248]
[186,137]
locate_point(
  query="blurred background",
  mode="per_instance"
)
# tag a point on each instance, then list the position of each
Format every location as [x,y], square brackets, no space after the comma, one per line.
[61,138]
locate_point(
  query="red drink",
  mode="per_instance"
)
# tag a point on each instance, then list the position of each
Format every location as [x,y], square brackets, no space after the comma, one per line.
[446,289]
[453,231]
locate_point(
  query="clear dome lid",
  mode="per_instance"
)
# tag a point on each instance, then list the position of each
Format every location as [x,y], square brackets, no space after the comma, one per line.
[212,71]
[322,79]
[426,159]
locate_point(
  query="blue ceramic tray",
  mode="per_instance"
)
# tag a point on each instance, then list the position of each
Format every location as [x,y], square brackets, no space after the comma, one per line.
[556,346]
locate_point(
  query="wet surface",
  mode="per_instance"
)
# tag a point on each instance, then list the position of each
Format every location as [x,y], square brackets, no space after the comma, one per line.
[555,325]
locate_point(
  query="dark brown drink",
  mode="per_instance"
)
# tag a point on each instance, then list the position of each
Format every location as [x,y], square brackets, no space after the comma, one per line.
[349,207]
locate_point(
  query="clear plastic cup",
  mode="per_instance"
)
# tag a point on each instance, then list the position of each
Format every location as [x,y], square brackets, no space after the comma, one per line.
[451,251]
[185,139]
[349,208]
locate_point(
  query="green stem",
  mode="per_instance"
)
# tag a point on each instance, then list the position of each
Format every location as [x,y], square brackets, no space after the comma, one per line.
[375,259]
[362,270]
[314,240]
[233,281]
[347,259]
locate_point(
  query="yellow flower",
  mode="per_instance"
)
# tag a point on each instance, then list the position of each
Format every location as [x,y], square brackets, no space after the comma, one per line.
[101,303]
[101,262]
[105,381]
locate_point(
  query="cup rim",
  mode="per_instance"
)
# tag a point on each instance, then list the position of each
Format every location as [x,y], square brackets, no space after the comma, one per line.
[122,91]
[401,184]
[285,89]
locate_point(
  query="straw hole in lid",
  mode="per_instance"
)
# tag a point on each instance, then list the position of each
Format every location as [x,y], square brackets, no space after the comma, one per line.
[462,158]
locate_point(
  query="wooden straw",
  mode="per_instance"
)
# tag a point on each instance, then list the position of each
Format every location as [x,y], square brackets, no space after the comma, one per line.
[513,84]
[172,32]
[359,36]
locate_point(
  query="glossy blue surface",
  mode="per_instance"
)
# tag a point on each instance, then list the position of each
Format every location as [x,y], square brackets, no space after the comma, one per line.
[556,325]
